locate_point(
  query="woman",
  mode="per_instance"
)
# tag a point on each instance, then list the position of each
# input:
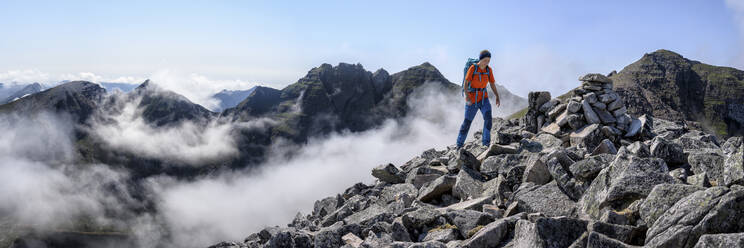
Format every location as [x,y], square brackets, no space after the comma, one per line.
[476,78]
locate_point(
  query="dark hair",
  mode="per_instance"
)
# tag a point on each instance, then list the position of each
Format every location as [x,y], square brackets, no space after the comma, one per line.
[484,53]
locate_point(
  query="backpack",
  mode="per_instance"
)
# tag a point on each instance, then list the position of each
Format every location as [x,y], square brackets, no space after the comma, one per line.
[469,63]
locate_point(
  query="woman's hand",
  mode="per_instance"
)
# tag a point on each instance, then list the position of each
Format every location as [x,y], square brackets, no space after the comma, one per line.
[467,100]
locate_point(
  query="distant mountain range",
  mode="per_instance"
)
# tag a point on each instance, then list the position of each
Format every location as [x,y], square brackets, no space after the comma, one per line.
[328,99]
[12,93]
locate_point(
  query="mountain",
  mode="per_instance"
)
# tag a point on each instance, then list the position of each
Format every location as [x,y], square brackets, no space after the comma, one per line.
[333,98]
[77,98]
[583,180]
[162,107]
[231,98]
[25,91]
[667,85]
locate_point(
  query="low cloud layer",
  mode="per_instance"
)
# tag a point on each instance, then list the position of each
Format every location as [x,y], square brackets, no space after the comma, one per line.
[184,142]
[232,205]
[41,185]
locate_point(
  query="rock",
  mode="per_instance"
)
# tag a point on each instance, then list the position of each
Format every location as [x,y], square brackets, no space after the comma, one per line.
[710,211]
[721,240]
[547,199]
[500,164]
[548,141]
[428,244]
[598,106]
[639,149]
[353,240]
[732,144]
[388,173]
[534,101]
[552,129]
[436,188]
[595,77]
[622,233]
[466,159]
[442,235]
[661,198]
[575,121]
[634,128]
[496,149]
[331,236]
[672,153]
[627,178]
[419,219]
[587,136]
[573,106]
[467,220]
[605,147]
[398,231]
[472,204]
[615,105]
[610,132]
[556,111]
[468,184]
[619,112]
[700,180]
[613,217]
[589,114]
[536,172]
[680,174]
[569,185]
[490,235]
[597,240]
[590,97]
[562,119]
[326,206]
[392,192]
[548,106]
[374,213]
[587,169]
[548,232]
[605,117]
[423,175]
[733,168]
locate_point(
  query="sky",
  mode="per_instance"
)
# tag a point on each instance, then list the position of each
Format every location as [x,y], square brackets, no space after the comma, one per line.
[535,45]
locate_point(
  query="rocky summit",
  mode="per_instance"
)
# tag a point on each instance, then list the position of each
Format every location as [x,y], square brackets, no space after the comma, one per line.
[576,171]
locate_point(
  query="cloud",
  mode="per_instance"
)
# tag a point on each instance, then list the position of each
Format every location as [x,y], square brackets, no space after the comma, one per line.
[232,205]
[23,76]
[195,87]
[42,188]
[187,141]
[42,185]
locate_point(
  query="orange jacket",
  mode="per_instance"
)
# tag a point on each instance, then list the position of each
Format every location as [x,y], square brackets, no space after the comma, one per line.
[478,82]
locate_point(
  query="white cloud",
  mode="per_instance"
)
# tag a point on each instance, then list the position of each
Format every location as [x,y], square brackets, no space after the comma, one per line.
[184,142]
[23,76]
[195,87]
[232,205]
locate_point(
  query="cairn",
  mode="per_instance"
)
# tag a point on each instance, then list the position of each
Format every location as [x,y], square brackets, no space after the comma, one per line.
[591,113]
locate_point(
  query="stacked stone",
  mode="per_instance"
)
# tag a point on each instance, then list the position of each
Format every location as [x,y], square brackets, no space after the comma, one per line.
[594,112]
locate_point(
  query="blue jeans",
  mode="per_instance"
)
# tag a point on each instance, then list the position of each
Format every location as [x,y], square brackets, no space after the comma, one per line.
[470,110]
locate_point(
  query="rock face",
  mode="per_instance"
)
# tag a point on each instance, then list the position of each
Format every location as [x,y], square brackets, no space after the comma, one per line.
[668,86]
[627,182]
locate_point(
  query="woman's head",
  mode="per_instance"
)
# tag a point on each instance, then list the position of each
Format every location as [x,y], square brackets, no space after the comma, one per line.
[484,58]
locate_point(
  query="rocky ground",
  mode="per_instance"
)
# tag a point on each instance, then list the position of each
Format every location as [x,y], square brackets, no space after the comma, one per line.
[573,172]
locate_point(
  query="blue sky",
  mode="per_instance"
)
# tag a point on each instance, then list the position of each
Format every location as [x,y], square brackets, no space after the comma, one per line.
[536,45]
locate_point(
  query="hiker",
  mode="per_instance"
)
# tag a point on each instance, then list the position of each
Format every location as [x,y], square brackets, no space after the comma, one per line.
[476,77]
